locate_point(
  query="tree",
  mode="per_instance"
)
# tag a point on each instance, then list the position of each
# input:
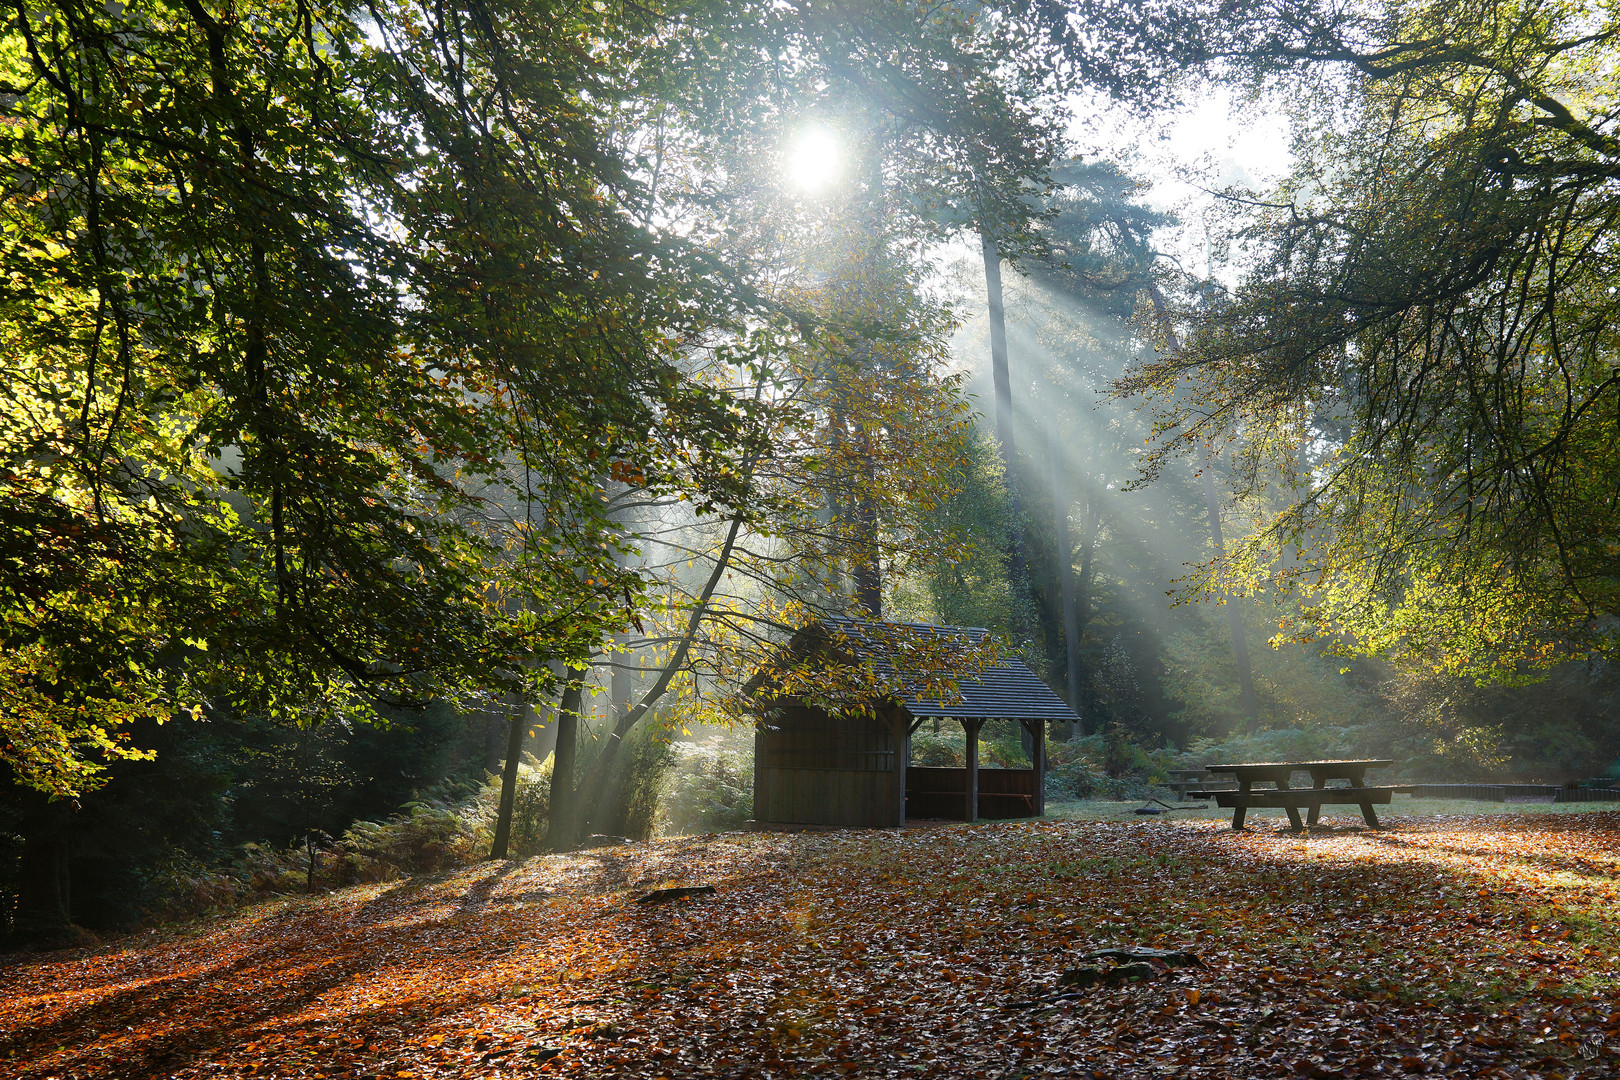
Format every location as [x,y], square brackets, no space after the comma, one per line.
[852,419]
[1424,346]
[289,289]
[1096,258]
[1232,602]
[860,444]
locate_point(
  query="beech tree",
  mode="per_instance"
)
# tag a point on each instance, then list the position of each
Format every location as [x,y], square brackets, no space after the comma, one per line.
[289,287]
[1424,347]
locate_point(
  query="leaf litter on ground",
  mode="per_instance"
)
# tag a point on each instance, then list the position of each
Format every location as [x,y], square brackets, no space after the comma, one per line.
[1480,947]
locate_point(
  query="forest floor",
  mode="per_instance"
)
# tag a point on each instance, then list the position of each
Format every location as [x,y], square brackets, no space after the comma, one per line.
[1453,945]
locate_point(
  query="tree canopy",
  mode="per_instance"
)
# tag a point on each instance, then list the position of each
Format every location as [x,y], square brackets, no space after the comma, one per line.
[329,322]
[1420,361]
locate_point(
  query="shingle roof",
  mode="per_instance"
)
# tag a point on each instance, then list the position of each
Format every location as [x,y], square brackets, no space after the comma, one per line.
[1006,690]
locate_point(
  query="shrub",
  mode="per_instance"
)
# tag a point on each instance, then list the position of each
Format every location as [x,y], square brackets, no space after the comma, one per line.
[630,801]
[1279,744]
[1105,766]
[946,748]
[426,836]
[710,788]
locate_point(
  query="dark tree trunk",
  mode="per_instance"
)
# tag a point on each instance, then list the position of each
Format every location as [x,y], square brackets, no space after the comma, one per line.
[868,574]
[1002,380]
[1066,587]
[514,753]
[562,815]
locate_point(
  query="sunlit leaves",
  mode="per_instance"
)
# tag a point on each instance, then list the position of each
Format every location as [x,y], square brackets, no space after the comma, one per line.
[1423,352]
[1446,946]
[321,339]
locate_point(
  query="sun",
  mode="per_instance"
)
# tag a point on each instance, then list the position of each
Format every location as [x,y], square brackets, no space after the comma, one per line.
[813,160]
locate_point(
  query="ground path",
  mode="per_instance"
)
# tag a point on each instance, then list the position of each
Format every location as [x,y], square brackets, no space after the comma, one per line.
[1455,946]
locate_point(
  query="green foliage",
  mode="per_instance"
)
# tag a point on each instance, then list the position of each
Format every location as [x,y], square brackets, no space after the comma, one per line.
[973,589]
[1001,745]
[424,837]
[633,791]
[165,826]
[1107,765]
[314,355]
[1558,730]
[430,834]
[1321,743]
[1422,354]
[945,748]
[530,808]
[710,788]
[1295,685]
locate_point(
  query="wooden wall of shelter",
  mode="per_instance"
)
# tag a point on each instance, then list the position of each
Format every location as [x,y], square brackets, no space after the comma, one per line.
[813,766]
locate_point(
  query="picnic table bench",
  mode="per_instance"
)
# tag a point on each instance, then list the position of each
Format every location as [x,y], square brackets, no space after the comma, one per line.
[1291,799]
[1184,780]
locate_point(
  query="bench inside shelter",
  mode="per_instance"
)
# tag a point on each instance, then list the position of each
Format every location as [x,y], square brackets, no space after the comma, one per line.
[941,792]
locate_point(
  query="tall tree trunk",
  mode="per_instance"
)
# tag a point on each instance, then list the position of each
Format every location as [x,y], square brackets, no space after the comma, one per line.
[562,813]
[864,571]
[1002,380]
[1066,584]
[1247,701]
[514,752]
[868,573]
[1090,522]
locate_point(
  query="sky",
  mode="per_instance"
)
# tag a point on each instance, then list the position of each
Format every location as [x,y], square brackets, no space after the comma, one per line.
[1214,142]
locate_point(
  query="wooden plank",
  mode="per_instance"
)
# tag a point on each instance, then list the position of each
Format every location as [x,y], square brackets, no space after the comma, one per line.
[782,805]
[1319,781]
[793,800]
[902,762]
[779,808]
[1298,797]
[1290,808]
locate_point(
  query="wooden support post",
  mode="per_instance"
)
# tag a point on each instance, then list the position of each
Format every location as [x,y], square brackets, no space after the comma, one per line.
[1369,815]
[971,728]
[902,759]
[1035,733]
[1038,760]
[1358,778]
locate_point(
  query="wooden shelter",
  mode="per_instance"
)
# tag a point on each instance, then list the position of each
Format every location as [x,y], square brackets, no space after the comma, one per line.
[816,766]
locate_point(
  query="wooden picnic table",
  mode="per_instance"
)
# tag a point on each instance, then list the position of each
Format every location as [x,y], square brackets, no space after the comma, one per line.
[1284,795]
